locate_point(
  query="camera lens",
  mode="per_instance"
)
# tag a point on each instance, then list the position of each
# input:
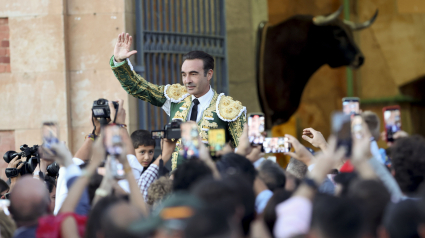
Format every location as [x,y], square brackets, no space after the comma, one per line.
[101,101]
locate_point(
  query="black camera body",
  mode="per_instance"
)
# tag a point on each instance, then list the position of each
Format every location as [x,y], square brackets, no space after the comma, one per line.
[53,170]
[172,130]
[32,159]
[101,109]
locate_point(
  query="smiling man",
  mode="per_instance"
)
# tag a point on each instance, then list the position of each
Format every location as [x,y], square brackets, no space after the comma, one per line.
[195,100]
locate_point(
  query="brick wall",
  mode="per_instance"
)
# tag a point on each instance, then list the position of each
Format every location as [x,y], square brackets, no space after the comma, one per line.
[7,142]
[4,46]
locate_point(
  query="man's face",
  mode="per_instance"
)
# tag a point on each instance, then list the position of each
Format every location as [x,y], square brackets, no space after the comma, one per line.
[194,78]
[144,154]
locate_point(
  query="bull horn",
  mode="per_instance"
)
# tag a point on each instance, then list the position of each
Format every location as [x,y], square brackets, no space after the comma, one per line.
[324,20]
[361,26]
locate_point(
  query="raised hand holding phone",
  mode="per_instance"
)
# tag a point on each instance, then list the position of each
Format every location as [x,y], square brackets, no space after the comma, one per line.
[190,140]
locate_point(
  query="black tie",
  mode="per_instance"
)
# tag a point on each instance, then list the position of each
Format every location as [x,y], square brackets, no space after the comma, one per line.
[194,113]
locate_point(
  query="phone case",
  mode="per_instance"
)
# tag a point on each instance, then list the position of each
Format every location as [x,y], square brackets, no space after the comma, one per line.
[387,127]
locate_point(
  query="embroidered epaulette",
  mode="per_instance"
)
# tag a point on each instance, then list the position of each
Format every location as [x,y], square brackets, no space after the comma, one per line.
[175,92]
[229,109]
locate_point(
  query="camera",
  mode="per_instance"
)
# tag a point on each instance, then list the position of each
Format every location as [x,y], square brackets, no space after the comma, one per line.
[53,170]
[32,159]
[171,131]
[101,108]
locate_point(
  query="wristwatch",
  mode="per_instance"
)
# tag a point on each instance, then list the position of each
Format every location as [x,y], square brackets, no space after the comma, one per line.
[311,183]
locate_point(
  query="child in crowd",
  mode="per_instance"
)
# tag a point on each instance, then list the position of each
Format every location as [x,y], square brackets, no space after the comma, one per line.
[144,146]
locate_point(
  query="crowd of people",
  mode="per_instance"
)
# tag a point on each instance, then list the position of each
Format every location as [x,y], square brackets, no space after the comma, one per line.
[241,194]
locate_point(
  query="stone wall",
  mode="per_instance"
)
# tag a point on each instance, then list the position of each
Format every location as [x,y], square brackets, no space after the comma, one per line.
[59,55]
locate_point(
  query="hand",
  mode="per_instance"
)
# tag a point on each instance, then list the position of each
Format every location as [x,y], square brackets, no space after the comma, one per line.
[314,137]
[361,145]
[122,47]
[327,160]
[14,162]
[301,153]
[168,146]
[244,147]
[226,149]
[255,154]
[63,155]
[97,125]
[120,114]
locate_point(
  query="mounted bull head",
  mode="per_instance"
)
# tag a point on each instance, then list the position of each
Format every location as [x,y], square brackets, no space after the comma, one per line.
[291,51]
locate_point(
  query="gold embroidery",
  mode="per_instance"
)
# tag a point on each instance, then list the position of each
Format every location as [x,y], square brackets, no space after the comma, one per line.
[176,91]
[178,115]
[187,102]
[208,125]
[208,114]
[228,108]
[236,128]
[174,156]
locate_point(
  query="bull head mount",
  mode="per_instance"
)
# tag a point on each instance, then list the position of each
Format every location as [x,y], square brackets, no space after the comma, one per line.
[325,20]
[291,51]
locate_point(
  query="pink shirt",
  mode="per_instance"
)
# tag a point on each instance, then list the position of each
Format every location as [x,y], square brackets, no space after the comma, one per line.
[293,217]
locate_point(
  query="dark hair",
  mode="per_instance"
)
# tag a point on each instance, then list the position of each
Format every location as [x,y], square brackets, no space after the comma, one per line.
[269,213]
[272,175]
[345,179]
[142,137]
[206,58]
[229,193]
[232,163]
[408,162]
[336,217]
[116,218]
[372,122]
[208,222]
[402,219]
[373,198]
[188,173]
[50,183]
[3,186]
[159,190]
[97,212]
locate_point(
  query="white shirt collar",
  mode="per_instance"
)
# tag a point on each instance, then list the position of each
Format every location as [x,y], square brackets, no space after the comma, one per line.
[205,100]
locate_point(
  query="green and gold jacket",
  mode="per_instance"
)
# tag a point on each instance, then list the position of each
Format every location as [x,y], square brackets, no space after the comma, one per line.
[223,111]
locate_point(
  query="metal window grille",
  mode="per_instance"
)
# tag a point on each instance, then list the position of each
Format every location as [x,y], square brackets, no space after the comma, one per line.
[168,29]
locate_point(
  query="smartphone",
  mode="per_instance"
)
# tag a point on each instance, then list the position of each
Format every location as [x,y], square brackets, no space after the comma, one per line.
[216,141]
[392,120]
[351,105]
[190,140]
[50,134]
[114,149]
[157,134]
[341,128]
[256,128]
[357,125]
[276,145]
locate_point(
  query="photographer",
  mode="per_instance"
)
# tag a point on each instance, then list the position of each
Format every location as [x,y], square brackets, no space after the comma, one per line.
[14,164]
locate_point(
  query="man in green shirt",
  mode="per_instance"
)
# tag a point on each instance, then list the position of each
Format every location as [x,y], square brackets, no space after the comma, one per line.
[195,100]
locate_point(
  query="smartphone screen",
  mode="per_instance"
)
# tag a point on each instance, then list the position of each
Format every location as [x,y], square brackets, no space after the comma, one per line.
[190,140]
[357,125]
[341,127]
[255,128]
[351,105]
[276,145]
[112,140]
[50,134]
[216,140]
[158,134]
[392,120]
[114,149]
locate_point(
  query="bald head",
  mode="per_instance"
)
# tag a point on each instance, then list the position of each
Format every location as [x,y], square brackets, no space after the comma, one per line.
[29,200]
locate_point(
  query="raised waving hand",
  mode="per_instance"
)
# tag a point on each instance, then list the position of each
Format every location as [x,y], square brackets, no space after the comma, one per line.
[122,47]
